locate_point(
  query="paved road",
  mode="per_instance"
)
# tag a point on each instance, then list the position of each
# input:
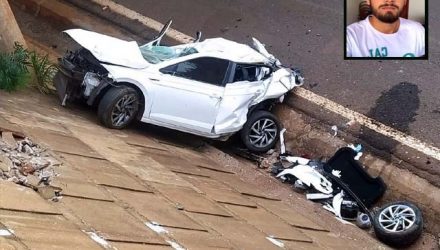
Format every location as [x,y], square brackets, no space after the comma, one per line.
[402,94]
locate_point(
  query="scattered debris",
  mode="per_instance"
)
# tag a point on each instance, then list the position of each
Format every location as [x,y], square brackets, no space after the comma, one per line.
[308,176]
[363,221]
[335,130]
[8,138]
[345,189]
[49,192]
[25,163]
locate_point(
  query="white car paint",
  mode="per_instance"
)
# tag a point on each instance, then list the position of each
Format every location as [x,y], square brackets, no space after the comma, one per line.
[188,105]
[310,177]
[110,49]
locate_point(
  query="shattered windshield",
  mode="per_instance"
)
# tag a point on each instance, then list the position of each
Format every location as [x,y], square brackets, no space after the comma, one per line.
[157,54]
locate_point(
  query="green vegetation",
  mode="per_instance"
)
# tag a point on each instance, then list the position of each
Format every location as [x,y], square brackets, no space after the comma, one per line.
[20,66]
[14,73]
[44,72]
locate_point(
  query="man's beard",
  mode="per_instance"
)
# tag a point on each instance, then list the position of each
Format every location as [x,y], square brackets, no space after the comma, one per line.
[388,17]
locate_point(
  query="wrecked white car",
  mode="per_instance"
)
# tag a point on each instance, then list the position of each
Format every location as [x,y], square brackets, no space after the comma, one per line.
[212,88]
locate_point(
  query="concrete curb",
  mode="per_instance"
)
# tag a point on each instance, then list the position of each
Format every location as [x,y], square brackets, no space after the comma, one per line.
[305,134]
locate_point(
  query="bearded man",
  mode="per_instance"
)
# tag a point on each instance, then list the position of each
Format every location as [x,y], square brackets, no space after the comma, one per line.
[385,34]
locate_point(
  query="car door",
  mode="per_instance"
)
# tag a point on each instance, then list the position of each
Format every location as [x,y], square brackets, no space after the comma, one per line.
[188,93]
[245,87]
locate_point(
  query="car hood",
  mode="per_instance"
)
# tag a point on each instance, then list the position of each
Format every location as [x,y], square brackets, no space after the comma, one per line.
[109,49]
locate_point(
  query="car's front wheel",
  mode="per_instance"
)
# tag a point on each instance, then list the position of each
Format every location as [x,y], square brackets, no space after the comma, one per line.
[118,107]
[398,224]
[261,131]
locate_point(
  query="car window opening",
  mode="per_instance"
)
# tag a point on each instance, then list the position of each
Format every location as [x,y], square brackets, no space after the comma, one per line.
[204,69]
[250,73]
[157,54]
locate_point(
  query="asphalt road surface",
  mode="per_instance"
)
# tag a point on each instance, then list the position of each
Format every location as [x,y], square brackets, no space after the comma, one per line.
[309,34]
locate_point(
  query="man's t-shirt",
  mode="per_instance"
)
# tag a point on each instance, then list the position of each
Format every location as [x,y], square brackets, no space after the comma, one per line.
[363,40]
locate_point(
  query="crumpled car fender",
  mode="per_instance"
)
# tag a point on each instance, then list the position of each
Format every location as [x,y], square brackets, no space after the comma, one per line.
[132,76]
[281,82]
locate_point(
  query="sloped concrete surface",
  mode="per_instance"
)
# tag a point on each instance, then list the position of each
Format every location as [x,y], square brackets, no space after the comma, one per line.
[103,193]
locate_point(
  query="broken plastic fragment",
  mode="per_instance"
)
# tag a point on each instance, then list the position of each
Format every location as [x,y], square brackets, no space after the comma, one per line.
[328,208]
[299,160]
[98,239]
[337,202]
[358,149]
[283,146]
[336,173]
[175,245]
[300,185]
[156,227]
[335,130]
[275,241]
[318,196]
[358,156]
[5,232]
[309,177]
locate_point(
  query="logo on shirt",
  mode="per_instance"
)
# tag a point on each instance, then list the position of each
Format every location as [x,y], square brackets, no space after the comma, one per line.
[383,52]
[379,52]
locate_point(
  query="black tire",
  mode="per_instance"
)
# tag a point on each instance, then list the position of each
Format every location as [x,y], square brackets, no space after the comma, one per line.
[268,136]
[111,110]
[398,236]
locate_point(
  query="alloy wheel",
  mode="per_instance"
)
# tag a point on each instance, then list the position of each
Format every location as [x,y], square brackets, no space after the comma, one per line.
[263,132]
[124,109]
[397,218]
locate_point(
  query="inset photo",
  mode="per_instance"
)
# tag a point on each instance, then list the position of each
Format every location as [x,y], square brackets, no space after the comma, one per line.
[386,29]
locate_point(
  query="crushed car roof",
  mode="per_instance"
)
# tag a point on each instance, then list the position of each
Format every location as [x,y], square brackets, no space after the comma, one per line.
[231,50]
[129,54]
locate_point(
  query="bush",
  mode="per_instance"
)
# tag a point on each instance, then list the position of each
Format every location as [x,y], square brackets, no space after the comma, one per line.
[14,70]
[14,73]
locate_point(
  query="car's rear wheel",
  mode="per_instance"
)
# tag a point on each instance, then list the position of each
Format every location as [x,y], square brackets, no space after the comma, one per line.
[118,107]
[261,131]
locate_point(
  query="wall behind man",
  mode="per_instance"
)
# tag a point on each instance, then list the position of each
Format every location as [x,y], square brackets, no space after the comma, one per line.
[352,11]
[416,10]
